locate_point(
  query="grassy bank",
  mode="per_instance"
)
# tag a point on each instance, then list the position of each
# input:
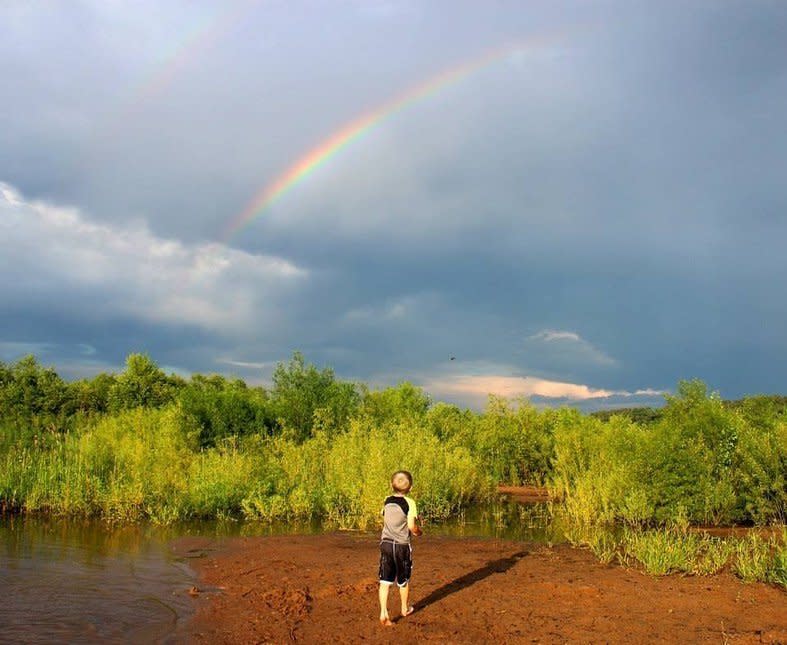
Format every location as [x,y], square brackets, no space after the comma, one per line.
[144,444]
[146,464]
[663,551]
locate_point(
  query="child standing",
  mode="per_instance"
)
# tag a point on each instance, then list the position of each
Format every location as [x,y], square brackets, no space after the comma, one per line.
[400,515]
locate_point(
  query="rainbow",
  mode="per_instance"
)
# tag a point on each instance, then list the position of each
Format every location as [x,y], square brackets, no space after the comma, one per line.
[355,130]
[196,43]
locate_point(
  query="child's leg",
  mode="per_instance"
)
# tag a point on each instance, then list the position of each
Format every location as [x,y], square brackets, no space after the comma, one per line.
[387,576]
[404,594]
[385,619]
[404,569]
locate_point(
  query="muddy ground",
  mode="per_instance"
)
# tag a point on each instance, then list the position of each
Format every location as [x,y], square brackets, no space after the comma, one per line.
[322,588]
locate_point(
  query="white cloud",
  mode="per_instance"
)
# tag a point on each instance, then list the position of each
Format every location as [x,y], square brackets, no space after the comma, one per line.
[516,386]
[48,251]
[476,388]
[571,347]
[249,365]
[648,391]
[550,335]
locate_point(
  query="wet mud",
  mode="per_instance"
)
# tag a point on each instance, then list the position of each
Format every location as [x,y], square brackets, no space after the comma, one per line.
[322,588]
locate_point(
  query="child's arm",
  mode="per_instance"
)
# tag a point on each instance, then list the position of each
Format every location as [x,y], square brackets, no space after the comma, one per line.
[412,520]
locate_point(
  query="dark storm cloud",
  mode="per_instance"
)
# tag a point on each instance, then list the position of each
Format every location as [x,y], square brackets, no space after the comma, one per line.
[605,209]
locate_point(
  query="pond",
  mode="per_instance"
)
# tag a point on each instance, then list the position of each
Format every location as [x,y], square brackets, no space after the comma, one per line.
[86,581]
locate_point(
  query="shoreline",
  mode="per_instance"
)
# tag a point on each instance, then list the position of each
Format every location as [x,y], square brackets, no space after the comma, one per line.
[313,588]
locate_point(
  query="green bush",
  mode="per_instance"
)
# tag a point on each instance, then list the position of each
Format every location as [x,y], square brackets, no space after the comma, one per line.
[304,397]
[221,409]
[701,463]
[142,384]
[515,445]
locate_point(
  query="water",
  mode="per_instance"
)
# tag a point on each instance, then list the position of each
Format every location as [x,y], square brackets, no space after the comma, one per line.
[83,582]
[525,522]
[70,581]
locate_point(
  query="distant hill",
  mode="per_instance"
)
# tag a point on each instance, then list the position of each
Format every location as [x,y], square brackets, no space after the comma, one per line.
[753,407]
[643,415]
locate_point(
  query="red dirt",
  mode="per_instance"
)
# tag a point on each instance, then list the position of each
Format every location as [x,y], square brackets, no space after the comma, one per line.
[323,589]
[524,494]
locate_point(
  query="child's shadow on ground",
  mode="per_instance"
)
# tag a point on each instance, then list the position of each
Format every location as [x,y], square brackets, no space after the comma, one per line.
[463,582]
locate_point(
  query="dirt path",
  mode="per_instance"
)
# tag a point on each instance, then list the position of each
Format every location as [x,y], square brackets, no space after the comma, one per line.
[315,589]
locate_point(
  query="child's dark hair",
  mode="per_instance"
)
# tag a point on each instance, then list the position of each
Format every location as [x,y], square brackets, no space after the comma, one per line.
[409,480]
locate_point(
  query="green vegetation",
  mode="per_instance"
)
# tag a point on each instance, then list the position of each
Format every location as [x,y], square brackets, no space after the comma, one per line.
[665,551]
[702,462]
[753,407]
[144,444]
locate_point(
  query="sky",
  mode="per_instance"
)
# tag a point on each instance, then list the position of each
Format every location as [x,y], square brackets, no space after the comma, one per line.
[594,214]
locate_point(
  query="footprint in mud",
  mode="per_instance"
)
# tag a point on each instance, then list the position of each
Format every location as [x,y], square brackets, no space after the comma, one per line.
[289,602]
[360,588]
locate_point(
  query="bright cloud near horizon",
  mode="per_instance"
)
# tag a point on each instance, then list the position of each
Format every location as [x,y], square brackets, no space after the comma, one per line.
[583,222]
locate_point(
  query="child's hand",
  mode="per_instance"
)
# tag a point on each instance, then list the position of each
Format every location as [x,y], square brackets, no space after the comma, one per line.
[417,530]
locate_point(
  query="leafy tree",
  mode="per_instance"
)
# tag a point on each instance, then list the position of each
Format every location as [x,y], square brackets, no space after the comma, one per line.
[515,444]
[142,384]
[404,402]
[91,396]
[763,410]
[222,408]
[30,393]
[302,394]
[451,423]
[691,456]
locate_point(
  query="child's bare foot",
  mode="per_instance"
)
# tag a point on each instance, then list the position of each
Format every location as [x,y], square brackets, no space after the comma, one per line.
[385,621]
[406,611]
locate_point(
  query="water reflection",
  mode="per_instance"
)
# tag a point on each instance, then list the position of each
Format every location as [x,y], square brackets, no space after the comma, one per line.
[67,581]
[505,520]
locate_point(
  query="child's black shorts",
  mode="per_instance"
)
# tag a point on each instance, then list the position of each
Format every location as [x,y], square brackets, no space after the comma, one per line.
[396,562]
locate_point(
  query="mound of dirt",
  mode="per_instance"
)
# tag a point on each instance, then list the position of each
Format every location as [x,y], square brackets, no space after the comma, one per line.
[323,589]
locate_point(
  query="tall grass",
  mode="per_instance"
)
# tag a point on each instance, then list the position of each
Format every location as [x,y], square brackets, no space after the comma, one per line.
[144,463]
[661,552]
[701,463]
[346,478]
[666,551]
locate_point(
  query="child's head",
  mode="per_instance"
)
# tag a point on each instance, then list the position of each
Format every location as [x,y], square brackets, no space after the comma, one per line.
[401,481]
